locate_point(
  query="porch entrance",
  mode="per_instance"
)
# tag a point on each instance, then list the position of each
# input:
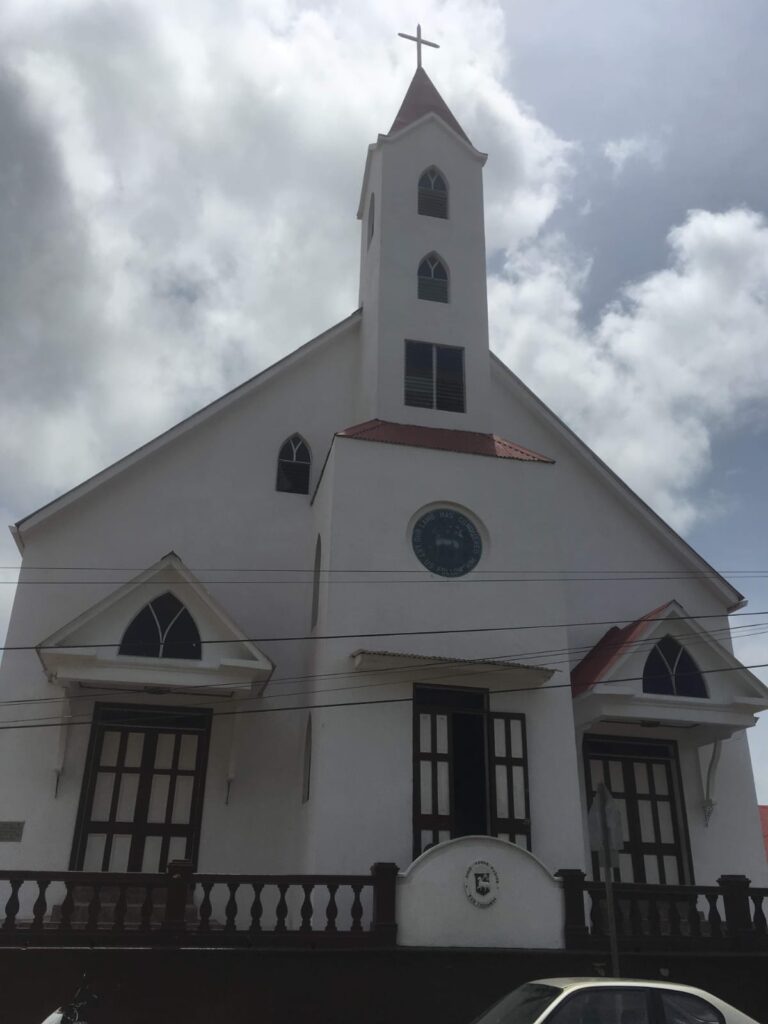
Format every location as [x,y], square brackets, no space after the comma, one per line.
[142,796]
[644,778]
[470,772]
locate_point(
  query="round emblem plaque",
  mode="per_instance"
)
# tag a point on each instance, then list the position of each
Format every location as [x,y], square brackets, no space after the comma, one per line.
[446,542]
[481,884]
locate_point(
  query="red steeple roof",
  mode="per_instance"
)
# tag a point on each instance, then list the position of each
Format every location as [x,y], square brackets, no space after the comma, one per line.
[468,442]
[423,98]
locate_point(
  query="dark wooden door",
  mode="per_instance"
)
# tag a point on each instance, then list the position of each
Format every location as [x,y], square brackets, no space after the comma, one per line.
[141,803]
[643,778]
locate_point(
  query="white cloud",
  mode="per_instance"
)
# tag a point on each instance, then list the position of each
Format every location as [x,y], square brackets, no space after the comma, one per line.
[679,357]
[636,148]
[179,188]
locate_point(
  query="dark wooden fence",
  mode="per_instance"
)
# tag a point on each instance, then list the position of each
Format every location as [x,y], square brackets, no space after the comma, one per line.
[183,908]
[726,916]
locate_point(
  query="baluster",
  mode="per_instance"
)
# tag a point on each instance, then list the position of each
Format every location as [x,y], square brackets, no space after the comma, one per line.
[67,906]
[714,919]
[620,907]
[758,918]
[146,910]
[306,908]
[94,908]
[595,916]
[357,909]
[12,906]
[205,908]
[282,908]
[675,918]
[256,907]
[694,917]
[231,908]
[41,905]
[121,905]
[331,911]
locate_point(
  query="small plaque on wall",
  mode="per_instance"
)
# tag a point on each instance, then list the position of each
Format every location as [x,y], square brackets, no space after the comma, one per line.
[11,831]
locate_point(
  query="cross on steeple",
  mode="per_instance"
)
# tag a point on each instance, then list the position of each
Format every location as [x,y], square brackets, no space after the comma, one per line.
[419,43]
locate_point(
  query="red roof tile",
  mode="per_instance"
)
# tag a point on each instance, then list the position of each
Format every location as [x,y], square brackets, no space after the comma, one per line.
[764,822]
[467,442]
[609,649]
[423,98]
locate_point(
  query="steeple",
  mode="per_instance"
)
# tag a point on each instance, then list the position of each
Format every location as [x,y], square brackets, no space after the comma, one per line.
[423,98]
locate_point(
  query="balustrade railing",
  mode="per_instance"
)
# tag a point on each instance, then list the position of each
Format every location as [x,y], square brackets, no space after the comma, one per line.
[184,908]
[729,915]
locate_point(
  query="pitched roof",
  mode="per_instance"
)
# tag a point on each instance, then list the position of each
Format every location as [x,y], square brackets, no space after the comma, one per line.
[764,822]
[467,442]
[423,98]
[609,649]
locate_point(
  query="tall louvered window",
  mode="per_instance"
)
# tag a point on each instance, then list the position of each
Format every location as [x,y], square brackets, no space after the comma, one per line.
[434,376]
[433,279]
[162,629]
[433,194]
[293,465]
[670,669]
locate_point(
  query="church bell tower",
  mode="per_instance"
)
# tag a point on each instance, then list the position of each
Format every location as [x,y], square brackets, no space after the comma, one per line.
[422,269]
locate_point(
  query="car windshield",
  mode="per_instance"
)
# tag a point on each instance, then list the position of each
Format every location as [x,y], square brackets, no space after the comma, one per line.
[523,1006]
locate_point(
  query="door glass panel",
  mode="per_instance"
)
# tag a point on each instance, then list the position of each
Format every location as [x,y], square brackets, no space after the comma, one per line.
[442,734]
[182,800]
[164,751]
[158,798]
[645,815]
[615,777]
[622,806]
[177,848]
[518,791]
[443,789]
[188,752]
[641,777]
[121,848]
[626,872]
[666,831]
[425,734]
[499,737]
[443,836]
[671,871]
[102,796]
[426,839]
[502,796]
[596,772]
[516,736]
[133,749]
[94,852]
[109,748]
[152,848]
[661,779]
[651,869]
[126,802]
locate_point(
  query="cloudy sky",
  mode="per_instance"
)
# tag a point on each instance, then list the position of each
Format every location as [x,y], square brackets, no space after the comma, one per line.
[168,171]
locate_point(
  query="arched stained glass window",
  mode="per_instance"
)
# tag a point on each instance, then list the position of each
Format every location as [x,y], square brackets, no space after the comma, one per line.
[670,669]
[433,279]
[293,465]
[162,629]
[433,194]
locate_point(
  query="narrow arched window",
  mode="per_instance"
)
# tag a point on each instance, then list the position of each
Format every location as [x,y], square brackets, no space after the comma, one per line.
[670,669]
[162,629]
[371,217]
[293,465]
[433,279]
[433,194]
[316,582]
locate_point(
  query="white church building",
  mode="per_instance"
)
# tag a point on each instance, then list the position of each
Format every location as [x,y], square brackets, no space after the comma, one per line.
[376,605]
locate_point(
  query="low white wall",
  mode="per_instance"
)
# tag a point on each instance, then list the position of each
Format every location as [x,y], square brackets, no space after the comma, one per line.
[479,891]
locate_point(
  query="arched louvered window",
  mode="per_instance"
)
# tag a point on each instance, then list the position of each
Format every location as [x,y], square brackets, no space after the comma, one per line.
[162,629]
[433,194]
[293,465]
[371,217]
[433,279]
[670,669]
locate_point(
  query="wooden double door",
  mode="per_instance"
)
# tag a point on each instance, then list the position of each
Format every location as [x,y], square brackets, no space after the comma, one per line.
[142,796]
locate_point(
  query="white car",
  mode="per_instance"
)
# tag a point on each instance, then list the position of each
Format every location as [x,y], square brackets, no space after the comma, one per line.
[610,1001]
